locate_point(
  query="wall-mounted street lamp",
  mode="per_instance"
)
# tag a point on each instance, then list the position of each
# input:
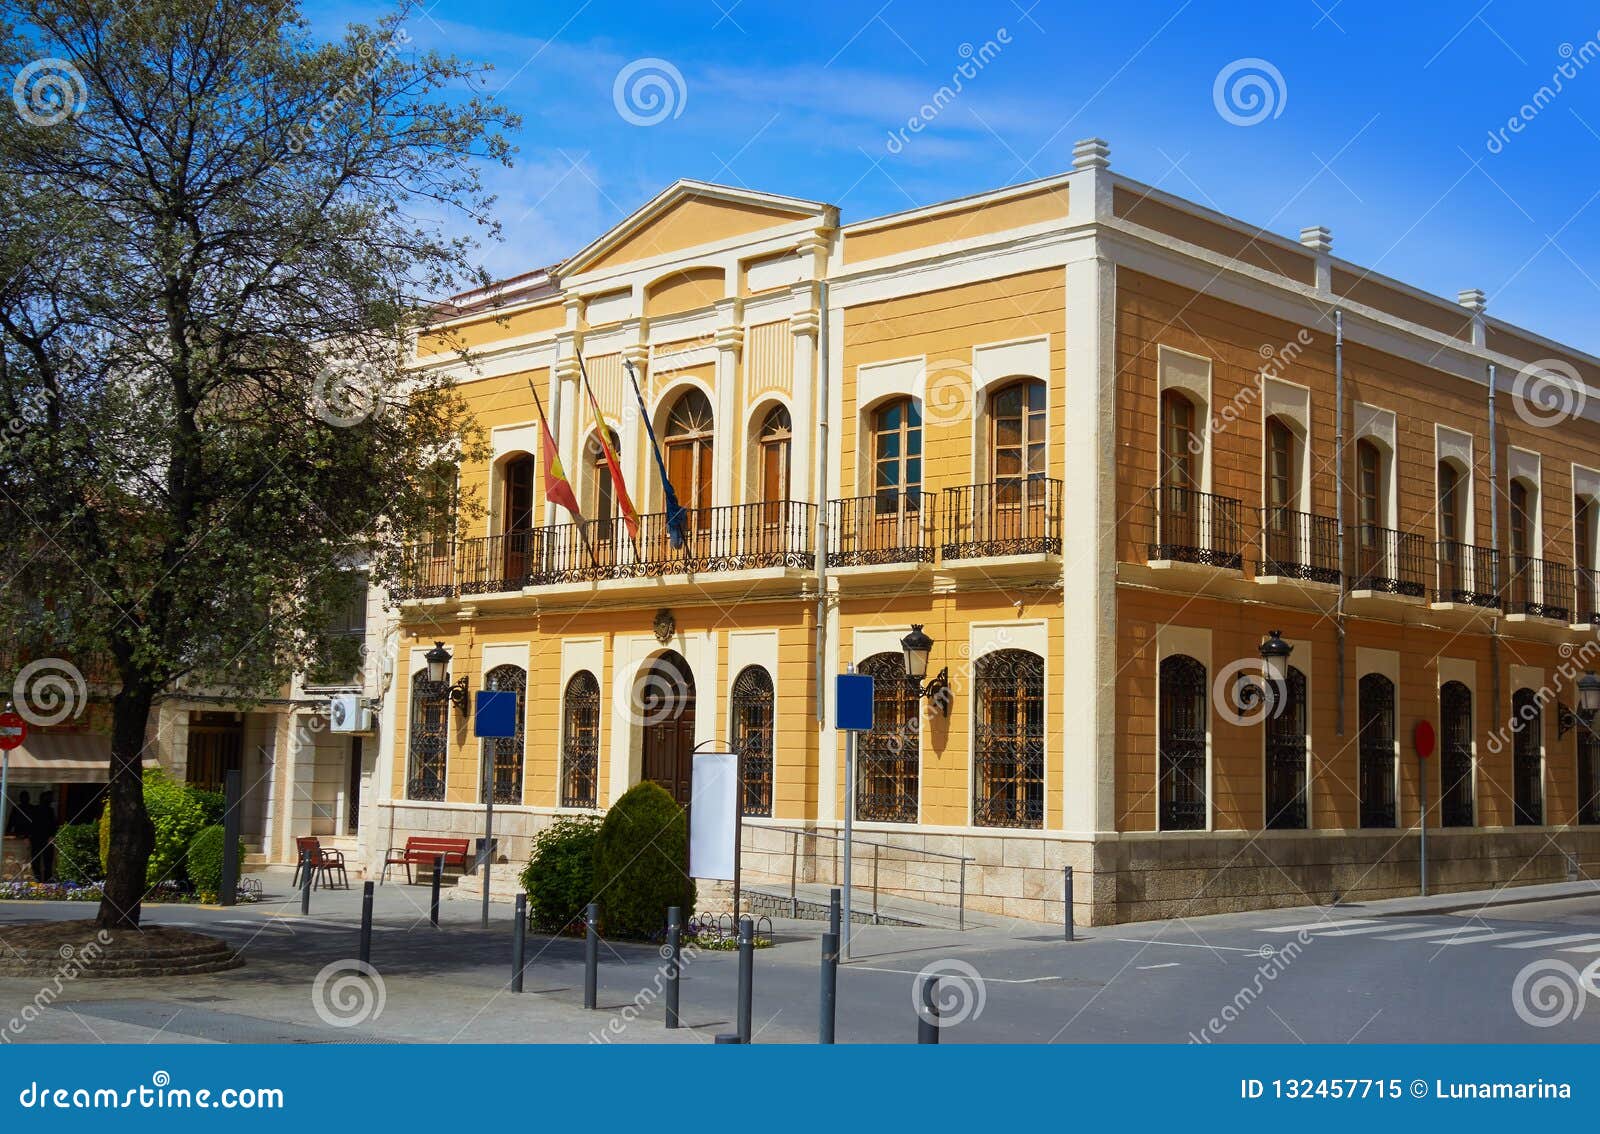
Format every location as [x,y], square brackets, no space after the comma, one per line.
[1588,706]
[438,660]
[918,648]
[1274,672]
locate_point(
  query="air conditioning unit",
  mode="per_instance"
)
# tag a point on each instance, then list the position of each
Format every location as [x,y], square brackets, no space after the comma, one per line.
[346,713]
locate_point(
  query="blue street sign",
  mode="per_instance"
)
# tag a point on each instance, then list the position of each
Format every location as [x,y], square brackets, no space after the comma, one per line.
[495,715]
[852,702]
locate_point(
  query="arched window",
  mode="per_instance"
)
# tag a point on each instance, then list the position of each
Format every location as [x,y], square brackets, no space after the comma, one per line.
[503,755]
[1018,412]
[888,759]
[1455,755]
[1523,592]
[1286,755]
[688,440]
[1182,745]
[897,456]
[773,455]
[1375,697]
[580,741]
[429,742]
[1008,740]
[601,495]
[511,565]
[1527,758]
[1583,546]
[1588,775]
[1281,488]
[1180,449]
[752,706]
[1454,579]
[1371,515]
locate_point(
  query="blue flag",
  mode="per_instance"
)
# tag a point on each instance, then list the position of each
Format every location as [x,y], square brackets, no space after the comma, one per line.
[677,514]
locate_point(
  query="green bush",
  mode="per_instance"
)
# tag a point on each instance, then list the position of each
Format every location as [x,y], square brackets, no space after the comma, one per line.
[78,853]
[177,815]
[559,877]
[205,859]
[641,863]
[212,804]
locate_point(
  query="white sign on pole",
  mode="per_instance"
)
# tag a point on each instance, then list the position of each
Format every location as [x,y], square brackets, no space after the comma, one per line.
[714,815]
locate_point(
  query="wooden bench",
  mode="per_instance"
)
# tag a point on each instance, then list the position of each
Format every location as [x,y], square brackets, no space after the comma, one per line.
[424,852]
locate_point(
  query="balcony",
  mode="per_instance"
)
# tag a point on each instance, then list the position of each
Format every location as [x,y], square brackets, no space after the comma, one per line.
[497,564]
[1197,528]
[1466,575]
[1298,545]
[1586,613]
[427,571]
[1384,561]
[1538,588]
[891,528]
[1003,518]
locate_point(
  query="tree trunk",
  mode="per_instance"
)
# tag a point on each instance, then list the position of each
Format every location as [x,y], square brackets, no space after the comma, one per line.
[133,836]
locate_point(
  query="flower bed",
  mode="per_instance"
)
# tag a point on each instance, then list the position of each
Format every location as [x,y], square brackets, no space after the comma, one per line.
[167,893]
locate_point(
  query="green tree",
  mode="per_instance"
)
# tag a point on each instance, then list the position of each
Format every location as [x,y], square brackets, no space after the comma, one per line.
[216,234]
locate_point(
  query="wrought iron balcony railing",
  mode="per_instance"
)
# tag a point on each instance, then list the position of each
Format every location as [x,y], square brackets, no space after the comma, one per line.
[1587,609]
[496,564]
[1299,545]
[1541,588]
[427,570]
[1004,517]
[1196,527]
[1466,574]
[1383,559]
[893,526]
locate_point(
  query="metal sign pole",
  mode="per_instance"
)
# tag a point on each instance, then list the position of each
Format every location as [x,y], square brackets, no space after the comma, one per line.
[849,819]
[5,799]
[488,827]
[1422,823]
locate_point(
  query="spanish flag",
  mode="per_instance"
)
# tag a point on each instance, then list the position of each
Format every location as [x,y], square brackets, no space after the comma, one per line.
[603,435]
[557,488]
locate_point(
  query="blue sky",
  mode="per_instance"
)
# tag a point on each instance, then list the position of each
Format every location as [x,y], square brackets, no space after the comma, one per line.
[1380,120]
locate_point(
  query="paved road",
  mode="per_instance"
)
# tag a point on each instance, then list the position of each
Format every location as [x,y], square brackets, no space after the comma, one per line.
[1314,975]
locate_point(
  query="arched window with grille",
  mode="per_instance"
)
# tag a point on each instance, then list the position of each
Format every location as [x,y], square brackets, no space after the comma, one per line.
[1588,775]
[429,742]
[1527,758]
[1455,755]
[1008,740]
[502,755]
[1181,756]
[888,759]
[1375,706]
[1286,755]
[753,709]
[580,741]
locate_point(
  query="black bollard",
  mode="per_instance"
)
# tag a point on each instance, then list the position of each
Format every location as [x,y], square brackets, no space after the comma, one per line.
[1067,917]
[928,1017]
[306,874]
[674,962]
[366,923]
[747,967]
[591,955]
[519,938]
[833,911]
[438,880]
[727,1037]
[830,987]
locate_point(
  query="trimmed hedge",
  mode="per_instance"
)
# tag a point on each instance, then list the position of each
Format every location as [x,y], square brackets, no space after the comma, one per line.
[204,859]
[641,864]
[559,877]
[177,815]
[78,853]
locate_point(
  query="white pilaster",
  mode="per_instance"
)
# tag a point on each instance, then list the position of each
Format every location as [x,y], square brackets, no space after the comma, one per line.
[730,342]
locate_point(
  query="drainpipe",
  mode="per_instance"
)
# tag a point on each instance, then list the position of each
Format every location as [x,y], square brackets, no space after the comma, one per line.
[1494,542]
[823,450]
[1338,516]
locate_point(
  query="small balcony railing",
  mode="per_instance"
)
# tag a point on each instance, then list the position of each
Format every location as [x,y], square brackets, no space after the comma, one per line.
[1587,608]
[427,570]
[1003,517]
[738,537]
[1196,527]
[893,526]
[1466,574]
[1540,588]
[1299,545]
[1383,559]
[496,564]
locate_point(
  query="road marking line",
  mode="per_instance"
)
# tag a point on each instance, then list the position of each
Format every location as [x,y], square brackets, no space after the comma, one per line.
[1467,932]
[1583,949]
[1544,941]
[986,980]
[1191,945]
[1318,925]
[1364,929]
[1505,936]
[1168,965]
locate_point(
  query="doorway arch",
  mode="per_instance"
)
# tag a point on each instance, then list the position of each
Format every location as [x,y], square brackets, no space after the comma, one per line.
[664,700]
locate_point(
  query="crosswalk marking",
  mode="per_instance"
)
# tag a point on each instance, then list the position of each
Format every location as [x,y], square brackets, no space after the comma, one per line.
[1544,942]
[1583,949]
[1502,936]
[1364,929]
[1465,932]
[1318,925]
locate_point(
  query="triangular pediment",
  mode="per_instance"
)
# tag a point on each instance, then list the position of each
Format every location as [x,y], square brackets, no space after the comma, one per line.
[691,214]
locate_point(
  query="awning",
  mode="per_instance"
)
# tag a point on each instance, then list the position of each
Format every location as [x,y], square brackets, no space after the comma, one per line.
[62,758]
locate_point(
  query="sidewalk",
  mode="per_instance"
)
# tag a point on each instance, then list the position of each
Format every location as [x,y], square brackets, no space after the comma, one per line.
[1463,900]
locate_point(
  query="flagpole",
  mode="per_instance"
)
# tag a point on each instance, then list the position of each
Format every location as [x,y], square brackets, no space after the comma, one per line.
[630,513]
[675,511]
[583,531]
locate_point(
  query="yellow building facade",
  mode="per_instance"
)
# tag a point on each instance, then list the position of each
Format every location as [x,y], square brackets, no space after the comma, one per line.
[1072,429]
